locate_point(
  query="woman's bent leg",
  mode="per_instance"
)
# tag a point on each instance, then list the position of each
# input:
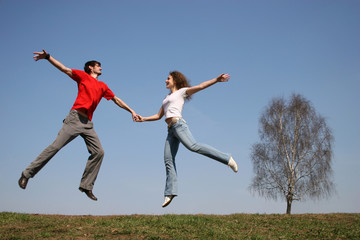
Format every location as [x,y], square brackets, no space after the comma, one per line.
[182,132]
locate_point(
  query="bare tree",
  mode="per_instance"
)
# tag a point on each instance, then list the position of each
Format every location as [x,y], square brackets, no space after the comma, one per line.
[292,161]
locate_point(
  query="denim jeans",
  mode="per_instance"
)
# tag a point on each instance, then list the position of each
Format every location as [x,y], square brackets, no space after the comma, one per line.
[179,132]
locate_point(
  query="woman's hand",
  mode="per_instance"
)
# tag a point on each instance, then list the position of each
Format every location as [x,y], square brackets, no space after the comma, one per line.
[139,118]
[223,78]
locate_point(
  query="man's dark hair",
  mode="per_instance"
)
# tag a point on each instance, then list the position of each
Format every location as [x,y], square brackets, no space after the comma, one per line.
[90,63]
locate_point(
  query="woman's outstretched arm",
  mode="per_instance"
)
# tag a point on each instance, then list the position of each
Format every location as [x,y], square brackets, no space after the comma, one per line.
[155,117]
[222,78]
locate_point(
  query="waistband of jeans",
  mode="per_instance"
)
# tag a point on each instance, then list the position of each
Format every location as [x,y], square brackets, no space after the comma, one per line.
[175,120]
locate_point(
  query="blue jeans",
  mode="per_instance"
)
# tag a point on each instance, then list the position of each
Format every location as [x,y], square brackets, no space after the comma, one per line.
[179,132]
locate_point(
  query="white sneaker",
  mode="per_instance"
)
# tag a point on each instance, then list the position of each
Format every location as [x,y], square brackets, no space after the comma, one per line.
[168,200]
[232,164]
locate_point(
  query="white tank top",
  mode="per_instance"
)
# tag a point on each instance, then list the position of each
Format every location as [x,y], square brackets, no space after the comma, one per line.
[173,103]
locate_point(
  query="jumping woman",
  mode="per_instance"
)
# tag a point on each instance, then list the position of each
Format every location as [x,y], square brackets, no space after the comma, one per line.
[178,131]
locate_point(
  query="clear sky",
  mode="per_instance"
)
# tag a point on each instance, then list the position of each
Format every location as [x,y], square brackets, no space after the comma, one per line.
[270,48]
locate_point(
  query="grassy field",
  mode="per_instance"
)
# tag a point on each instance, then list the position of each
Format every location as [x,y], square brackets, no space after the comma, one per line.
[236,226]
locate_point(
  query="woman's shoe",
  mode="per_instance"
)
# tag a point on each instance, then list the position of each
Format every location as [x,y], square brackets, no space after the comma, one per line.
[168,200]
[232,164]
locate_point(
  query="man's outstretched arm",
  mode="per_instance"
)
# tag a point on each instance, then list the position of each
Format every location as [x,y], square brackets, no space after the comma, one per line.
[53,61]
[123,105]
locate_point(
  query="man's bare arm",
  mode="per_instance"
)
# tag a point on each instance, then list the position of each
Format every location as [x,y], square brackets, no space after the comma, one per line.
[53,61]
[123,105]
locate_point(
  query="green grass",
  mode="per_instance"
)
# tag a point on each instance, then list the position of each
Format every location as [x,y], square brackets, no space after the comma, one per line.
[236,226]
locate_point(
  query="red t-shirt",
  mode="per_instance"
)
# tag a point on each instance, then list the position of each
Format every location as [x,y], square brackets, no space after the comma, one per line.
[90,92]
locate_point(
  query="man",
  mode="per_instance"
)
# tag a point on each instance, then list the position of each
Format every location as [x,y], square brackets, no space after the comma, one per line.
[78,122]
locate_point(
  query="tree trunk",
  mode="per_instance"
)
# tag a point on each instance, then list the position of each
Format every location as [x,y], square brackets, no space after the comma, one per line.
[289,202]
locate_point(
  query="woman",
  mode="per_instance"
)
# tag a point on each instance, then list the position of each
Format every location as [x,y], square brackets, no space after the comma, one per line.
[178,130]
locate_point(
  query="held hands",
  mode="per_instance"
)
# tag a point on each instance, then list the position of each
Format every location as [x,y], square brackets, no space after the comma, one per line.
[223,78]
[136,117]
[139,118]
[40,55]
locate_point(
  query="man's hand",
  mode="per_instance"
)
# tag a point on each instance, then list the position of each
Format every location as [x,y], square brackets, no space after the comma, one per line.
[135,117]
[139,119]
[40,55]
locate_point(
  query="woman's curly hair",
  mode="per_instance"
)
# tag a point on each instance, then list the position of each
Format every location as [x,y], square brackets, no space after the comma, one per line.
[180,80]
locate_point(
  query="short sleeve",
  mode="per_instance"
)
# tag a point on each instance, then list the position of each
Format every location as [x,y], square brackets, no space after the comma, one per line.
[183,92]
[108,94]
[76,75]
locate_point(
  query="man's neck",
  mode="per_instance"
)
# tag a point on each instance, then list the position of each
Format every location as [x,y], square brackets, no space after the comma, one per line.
[94,75]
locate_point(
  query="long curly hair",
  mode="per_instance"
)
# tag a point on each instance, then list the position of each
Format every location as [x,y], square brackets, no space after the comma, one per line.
[180,81]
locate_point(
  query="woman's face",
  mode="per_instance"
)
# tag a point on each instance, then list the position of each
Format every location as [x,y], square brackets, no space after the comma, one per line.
[169,82]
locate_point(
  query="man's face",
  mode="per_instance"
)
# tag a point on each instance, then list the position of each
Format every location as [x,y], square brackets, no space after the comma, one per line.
[96,69]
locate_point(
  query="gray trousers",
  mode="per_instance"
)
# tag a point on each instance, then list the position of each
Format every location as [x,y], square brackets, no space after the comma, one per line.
[74,125]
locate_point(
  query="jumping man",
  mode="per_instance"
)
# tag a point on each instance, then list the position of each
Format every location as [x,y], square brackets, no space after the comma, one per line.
[78,122]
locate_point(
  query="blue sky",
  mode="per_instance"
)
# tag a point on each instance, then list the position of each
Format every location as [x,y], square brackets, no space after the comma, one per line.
[270,48]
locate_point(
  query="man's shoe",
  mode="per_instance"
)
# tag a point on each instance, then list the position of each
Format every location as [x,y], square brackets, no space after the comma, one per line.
[88,193]
[232,164]
[168,200]
[23,181]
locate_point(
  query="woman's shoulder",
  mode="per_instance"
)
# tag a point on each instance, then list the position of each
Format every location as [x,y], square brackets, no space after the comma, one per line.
[182,90]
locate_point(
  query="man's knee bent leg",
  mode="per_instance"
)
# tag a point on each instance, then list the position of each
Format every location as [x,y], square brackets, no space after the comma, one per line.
[100,152]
